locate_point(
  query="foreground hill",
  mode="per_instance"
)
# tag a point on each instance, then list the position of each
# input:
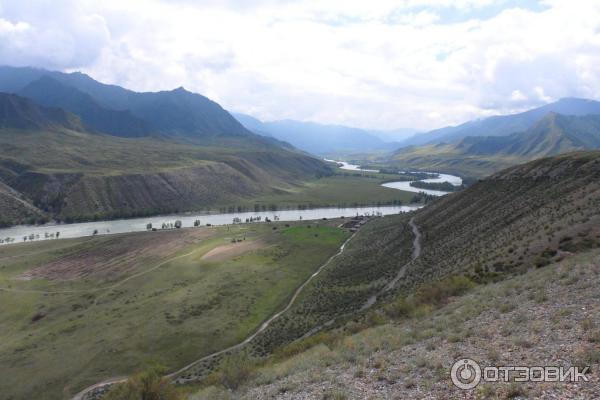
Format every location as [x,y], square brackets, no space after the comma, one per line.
[53,163]
[481,155]
[521,244]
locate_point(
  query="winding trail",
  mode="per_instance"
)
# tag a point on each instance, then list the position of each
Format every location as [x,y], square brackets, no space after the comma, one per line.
[81,395]
[373,299]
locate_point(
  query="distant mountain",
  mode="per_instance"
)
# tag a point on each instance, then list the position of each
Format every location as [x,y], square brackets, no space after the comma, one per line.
[253,124]
[50,92]
[172,113]
[393,135]
[506,124]
[20,113]
[316,138]
[480,155]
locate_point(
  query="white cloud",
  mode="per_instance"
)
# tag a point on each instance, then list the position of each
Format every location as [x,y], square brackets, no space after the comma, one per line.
[386,64]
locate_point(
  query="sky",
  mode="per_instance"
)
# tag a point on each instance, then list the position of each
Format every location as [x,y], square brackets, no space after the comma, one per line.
[376,64]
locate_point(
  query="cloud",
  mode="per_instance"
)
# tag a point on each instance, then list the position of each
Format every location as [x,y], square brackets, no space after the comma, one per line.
[39,34]
[388,64]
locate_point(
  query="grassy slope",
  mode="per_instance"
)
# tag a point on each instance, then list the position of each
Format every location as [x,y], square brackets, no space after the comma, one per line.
[548,316]
[448,159]
[172,315]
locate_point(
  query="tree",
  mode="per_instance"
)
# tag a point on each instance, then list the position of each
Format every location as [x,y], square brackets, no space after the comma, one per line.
[147,385]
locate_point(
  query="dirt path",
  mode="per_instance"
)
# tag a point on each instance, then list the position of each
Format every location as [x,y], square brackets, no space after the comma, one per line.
[263,326]
[415,254]
[373,299]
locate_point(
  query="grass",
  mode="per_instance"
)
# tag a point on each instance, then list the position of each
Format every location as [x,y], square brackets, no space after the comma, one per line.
[340,190]
[171,316]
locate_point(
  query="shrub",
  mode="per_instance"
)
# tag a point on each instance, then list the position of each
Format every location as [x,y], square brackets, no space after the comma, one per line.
[400,308]
[236,370]
[147,385]
[437,293]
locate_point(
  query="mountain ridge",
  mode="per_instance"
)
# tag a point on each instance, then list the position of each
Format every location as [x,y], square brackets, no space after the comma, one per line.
[480,155]
[503,125]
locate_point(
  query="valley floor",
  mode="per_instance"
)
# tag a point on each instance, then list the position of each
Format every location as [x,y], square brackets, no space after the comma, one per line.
[76,311]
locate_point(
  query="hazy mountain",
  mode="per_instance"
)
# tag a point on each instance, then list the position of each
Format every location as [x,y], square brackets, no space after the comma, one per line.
[481,155]
[50,92]
[174,113]
[393,135]
[317,138]
[21,113]
[506,124]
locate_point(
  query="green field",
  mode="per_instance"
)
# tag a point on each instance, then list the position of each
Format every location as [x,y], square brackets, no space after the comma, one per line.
[340,190]
[107,306]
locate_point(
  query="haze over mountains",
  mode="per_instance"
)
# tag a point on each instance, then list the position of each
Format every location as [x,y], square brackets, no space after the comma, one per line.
[323,139]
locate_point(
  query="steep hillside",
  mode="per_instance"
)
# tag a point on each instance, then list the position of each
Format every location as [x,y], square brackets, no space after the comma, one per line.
[506,124]
[481,155]
[51,93]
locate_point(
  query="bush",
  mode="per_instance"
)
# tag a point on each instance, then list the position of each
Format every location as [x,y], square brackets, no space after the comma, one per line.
[236,370]
[400,308]
[437,293]
[147,385]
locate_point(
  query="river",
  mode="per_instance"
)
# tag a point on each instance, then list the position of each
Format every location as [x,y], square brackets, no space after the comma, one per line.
[187,220]
[405,185]
[48,232]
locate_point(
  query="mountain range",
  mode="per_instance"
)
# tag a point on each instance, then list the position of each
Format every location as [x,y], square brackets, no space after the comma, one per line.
[481,155]
[115,110]
[72,148]
[323,139]
[504,125]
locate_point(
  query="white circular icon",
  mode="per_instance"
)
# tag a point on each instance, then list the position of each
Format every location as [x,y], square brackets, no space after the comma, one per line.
[465,374]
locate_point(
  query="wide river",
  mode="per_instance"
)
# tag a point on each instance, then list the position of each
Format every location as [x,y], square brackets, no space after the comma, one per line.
[76,230]
[187,220]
